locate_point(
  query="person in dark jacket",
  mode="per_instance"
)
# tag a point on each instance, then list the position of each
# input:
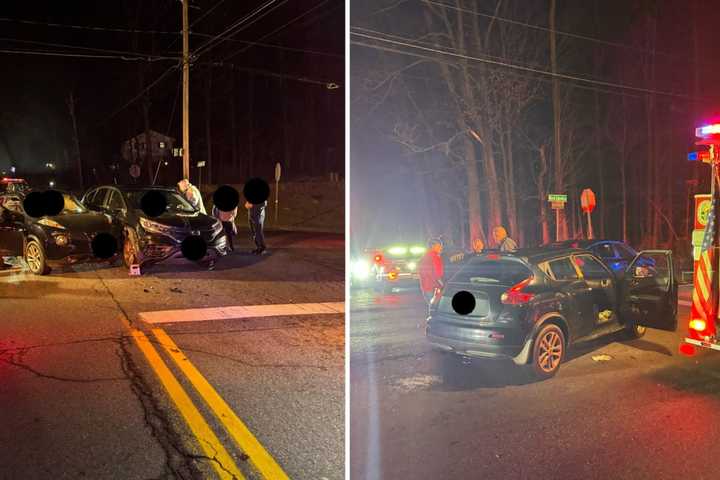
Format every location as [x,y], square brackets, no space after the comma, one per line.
[430,270]
[256,218]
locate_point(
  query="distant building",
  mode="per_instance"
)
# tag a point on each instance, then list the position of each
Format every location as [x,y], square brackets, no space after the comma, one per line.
[161,146]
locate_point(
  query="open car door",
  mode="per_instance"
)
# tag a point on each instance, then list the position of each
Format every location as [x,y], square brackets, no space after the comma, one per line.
[12,231]
[650,292]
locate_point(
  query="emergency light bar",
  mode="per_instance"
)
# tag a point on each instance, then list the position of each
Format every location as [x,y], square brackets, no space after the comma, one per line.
[706,130]
[702,155]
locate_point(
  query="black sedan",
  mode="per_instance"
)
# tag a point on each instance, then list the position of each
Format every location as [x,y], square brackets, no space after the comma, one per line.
[177,231]
[62,239]
[532,305]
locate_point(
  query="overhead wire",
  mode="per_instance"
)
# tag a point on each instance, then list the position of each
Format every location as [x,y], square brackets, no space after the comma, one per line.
[273,32]
[238,26]
[499,63]
[50,53]
[142,92]
[89,27]
[80,47]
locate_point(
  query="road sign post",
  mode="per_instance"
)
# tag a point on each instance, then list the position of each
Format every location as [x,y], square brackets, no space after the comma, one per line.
[278,171]
[587,202]
[557,203]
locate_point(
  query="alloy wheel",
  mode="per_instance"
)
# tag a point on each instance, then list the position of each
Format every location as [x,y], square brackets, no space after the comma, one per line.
[550,351]
[33,257]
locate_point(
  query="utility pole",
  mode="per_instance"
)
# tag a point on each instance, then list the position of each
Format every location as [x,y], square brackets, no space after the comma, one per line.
[186,91]
[559,186]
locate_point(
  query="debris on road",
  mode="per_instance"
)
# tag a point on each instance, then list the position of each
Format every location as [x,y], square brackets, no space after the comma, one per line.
[602,358]
[176,290]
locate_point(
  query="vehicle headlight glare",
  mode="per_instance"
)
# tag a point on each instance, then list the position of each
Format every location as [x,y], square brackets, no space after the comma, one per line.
[360,269]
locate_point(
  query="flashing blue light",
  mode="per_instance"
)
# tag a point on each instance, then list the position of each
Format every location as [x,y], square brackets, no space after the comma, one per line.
[693,156]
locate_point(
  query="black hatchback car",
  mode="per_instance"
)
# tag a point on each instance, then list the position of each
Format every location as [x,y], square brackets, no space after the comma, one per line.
[148,240]
[532,305]
[62,239]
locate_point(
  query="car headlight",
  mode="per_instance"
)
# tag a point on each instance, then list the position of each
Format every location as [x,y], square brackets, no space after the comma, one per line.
[50,223]
[151,226]
[360,269]
[417,250]
[61,240]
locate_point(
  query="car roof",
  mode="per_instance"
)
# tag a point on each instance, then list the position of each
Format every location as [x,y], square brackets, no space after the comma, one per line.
[135,188]
[536,255]
[580,243]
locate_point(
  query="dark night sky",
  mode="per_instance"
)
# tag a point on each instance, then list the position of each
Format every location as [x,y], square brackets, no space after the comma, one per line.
[35,126]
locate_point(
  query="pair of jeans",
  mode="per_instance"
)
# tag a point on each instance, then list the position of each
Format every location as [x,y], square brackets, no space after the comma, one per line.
[229,232]
[256,230]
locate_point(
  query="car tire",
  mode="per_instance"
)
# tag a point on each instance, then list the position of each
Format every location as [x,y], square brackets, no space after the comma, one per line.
[130,249]
[548,352]
[635,331]
[35,257]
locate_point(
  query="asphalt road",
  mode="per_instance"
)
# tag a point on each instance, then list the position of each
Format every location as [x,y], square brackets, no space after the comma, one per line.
[645,412]
[80,399]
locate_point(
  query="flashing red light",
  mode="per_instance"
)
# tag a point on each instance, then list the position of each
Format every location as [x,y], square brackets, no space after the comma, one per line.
[515,296]
[493,256]
[687,349]
[378,258]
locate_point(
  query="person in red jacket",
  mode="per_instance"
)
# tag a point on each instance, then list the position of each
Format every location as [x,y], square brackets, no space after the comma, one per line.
[430,269]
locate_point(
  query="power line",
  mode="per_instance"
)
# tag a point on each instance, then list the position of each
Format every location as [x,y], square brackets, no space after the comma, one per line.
[87,27]
[238,26]
[270,45]
[511,65]
[277,29]
[550,30]
[79,47]
[192,24]
[325,83]
[142,92]
[82,55]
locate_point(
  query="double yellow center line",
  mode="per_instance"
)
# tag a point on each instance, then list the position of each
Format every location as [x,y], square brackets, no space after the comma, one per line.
[224,464]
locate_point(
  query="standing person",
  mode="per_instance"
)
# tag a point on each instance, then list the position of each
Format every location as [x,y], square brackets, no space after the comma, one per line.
[192,195]
[256,218]
[505,243]
[228,222]
[431,270]
[478,247]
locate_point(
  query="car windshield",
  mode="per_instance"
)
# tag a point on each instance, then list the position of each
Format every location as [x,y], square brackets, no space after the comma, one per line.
[175,202]
[72,205]
[500,272]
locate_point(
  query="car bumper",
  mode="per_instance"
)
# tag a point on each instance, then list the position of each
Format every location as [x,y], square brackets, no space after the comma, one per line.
[474,342]
[78,250]
[158,248]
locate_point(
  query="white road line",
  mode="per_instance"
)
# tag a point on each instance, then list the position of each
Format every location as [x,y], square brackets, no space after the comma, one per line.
[241,311]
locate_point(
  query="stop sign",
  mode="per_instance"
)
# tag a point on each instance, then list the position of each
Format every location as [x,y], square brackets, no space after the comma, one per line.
[587,200]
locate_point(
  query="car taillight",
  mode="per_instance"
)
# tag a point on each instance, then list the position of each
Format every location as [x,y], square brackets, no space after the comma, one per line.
[515,296]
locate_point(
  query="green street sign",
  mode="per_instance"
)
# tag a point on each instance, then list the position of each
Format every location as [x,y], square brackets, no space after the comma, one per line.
[554,197]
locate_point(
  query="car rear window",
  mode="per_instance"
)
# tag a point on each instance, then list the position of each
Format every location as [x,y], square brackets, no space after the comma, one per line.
[500,272]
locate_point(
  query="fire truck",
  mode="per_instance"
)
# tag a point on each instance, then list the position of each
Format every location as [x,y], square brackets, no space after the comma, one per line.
[702,328]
